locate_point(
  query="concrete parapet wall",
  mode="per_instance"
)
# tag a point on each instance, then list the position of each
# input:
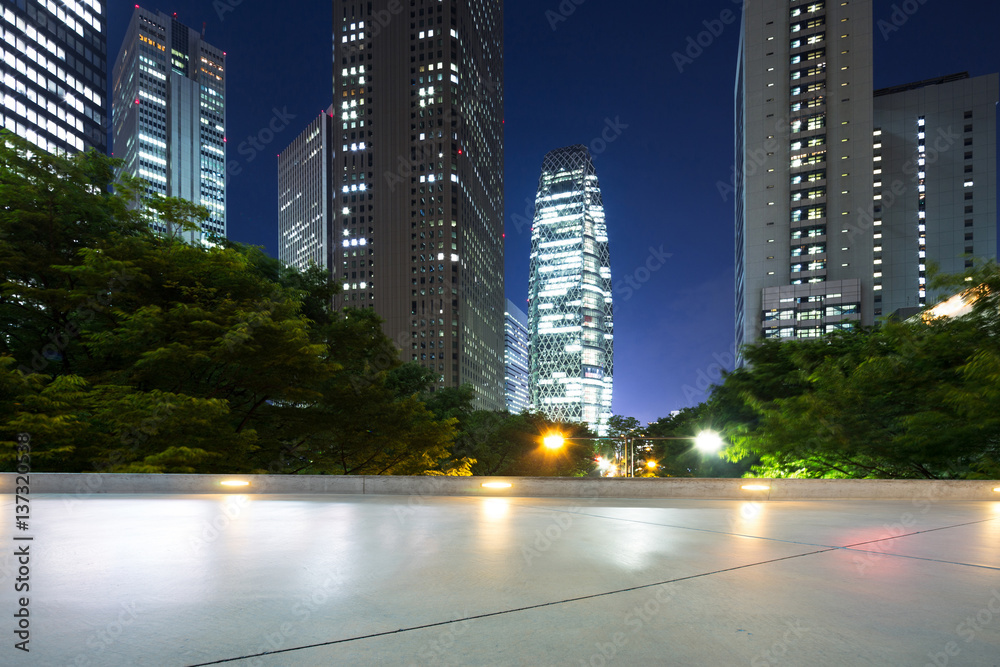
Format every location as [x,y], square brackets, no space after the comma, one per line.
[538,487]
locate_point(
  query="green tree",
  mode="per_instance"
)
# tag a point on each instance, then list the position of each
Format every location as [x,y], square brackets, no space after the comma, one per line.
[903,399]
[679,457]
[125,351]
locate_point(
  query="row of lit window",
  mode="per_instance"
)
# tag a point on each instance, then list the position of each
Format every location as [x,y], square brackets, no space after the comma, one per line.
[810,332]
[58,126]
[922,210]
[56,9]
[877,185]
[812,314]
[11,124]
[48,81]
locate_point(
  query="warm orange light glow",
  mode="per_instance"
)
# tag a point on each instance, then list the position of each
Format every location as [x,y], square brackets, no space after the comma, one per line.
[958,304]
[651,465]
[755,487]
[554,441]
[497,485]
[234,482]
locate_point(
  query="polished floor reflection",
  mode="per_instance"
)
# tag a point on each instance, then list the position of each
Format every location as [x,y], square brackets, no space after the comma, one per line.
[422,580]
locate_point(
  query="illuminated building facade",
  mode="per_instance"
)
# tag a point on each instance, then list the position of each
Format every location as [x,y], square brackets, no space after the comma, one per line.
[845,195]
[169,112]
[55,73]
[305,197]
[516,358]
[934,181]
[570,310]
[418,180]
[803,168]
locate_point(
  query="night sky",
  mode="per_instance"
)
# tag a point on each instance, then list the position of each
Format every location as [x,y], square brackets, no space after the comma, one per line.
[571,77]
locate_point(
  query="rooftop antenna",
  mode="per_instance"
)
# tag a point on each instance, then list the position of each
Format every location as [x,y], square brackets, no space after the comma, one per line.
[203,29]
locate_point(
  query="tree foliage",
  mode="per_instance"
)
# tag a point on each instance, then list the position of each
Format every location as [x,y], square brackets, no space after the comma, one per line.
[914,399]
[127,351]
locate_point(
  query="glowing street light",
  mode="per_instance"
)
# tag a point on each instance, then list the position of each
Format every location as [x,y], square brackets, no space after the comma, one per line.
[755,487]
[554,441]
[708,442]
[651,465]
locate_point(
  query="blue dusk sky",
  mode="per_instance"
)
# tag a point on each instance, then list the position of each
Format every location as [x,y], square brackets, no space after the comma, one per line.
[628,79]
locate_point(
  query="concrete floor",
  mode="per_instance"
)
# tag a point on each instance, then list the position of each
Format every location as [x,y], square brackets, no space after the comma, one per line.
[393,580]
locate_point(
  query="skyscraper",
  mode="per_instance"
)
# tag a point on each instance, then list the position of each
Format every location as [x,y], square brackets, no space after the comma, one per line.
[839,209]
[516,358]
[934,184]
[570,311]
[55,73]
[418,180]
[803,168]
[169,90]
[305,197]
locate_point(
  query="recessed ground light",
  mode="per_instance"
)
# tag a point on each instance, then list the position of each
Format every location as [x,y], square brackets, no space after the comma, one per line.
[234,482]
[755,487]
[497,485]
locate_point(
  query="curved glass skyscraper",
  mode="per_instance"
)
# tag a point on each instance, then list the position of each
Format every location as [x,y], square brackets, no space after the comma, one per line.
[569,291]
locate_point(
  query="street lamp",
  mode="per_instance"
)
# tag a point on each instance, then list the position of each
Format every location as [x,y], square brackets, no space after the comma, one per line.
[708,442]
[553,441]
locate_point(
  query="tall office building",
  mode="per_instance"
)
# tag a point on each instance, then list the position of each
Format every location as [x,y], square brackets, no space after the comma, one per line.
[418,180]
[305,197]
[168,102]
[55,73]
[830,182]
[516,358]
[570,321]
[935,188]
[803,168]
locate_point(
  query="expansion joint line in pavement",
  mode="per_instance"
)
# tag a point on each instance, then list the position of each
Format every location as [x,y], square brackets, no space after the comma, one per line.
[848,547]
[511,611]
